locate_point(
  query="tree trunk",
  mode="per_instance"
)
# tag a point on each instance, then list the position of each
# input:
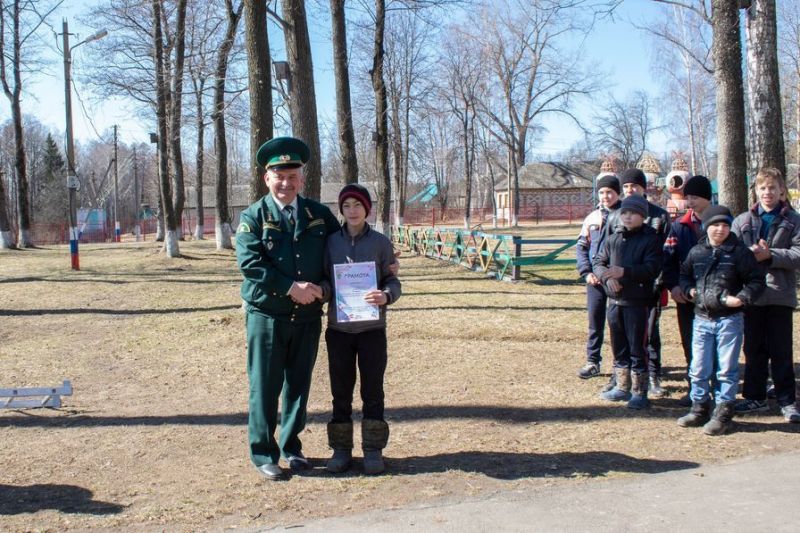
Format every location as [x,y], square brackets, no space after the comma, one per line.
[763,88]
[727,53]
[170,222]
[302,96]
[199,162]
[6,235]
[397,153]
[21,171]
[344,113]
[222,229]
[176,103]
[381,118]
[260,78]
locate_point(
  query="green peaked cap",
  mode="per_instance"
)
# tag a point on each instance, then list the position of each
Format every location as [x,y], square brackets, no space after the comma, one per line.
[283,151]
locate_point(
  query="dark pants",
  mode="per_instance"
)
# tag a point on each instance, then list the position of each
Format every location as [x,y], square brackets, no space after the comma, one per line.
[345,350]
[628,326]
[596,308]
[768,346]
[654,339]
[280,358]
[685,325]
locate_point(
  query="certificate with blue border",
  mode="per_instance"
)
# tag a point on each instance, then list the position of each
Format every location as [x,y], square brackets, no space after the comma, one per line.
[352,281]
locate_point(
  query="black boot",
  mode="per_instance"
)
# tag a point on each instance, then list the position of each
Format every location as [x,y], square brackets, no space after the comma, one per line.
[697,416]
[721,421]
[374,436]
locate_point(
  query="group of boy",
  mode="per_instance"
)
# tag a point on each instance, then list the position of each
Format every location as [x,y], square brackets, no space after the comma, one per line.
[733,282]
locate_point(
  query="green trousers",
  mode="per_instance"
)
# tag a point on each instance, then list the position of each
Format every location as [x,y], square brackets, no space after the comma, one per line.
[280,357]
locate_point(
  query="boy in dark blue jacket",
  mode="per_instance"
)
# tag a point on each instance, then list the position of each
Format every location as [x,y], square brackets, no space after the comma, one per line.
[593,234]
[721,276]
[684,233]
[628,264]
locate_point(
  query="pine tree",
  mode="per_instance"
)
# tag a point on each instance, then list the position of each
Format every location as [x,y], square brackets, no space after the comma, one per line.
[52,201]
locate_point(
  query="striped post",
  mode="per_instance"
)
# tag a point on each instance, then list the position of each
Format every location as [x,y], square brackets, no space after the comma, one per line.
[73,248]
[117,233]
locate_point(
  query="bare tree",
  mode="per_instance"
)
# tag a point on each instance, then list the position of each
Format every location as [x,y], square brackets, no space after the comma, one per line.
[175,98]
[168,211]
[683,44]
[624,127]
[260,77]
[344,112]
[726,52]
[381,116]
[223,230]
[302,96]
[732,162]
[19,22]
[763,87]
[6,236]
[463,75]
[789,48]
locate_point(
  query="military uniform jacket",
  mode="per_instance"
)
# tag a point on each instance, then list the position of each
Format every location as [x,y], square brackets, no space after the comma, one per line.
[272,256]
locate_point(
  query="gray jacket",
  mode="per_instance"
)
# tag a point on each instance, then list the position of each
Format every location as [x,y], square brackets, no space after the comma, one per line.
[784,243]
[369,245]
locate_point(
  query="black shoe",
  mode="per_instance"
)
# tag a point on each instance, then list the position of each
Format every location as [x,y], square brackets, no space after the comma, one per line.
[298,462]
[271,472]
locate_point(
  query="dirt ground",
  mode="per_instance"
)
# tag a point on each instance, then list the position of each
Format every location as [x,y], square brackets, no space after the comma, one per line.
[481,396]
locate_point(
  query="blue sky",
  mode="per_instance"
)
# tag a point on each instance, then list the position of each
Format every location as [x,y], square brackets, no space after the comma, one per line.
[615,46]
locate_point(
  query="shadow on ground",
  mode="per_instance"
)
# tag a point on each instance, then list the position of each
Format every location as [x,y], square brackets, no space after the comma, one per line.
[499,414]
[63,498]
[510,466]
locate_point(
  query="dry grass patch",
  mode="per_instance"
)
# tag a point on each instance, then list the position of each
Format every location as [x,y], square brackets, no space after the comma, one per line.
[481,396]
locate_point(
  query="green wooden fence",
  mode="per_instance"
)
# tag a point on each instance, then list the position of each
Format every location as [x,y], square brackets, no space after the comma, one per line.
[501,254]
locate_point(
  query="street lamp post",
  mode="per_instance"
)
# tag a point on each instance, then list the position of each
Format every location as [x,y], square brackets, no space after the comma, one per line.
[73,184]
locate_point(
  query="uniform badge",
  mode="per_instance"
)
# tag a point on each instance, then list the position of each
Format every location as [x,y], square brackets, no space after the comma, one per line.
[285,157]
[270,244]
[243,228]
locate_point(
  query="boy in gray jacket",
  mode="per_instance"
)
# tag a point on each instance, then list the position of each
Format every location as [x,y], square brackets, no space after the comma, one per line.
[359,342]
[771,229]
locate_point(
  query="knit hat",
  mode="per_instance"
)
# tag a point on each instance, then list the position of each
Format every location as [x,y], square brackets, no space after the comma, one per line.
[635,203]
[608,181]
[359,192]
[716,213]
[698,186]
[633,175]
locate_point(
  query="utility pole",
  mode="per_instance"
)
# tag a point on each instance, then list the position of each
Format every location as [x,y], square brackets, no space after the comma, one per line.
[137,229]
[73,184]
[116,191]
[72,180]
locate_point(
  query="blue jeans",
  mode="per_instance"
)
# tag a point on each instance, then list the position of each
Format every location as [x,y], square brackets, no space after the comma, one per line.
[716,340]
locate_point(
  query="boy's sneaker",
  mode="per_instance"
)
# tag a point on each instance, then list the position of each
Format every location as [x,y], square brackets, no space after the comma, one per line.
[790,413]
[750,406]
[589,370]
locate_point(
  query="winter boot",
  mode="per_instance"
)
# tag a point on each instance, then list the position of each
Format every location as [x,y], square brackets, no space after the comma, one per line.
[721,421]
[639,391]
[655,389]
[622,390]
[698,415]
[374,436]
[612,382]
[340,439]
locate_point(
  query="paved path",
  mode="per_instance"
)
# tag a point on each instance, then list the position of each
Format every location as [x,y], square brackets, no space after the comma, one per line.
[756,494]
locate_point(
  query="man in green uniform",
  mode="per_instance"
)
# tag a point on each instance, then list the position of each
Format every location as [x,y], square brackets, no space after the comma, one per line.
[280,243]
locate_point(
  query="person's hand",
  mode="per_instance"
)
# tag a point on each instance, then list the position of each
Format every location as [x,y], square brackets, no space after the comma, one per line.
[615,286]
[614,272]
[761,251]
[692,294]
[678,295]
[591,279]
[376,297]
[733,301]
[304,292]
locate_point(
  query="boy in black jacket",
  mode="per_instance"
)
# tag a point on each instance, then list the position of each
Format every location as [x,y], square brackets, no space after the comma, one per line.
[720,275]
[628,264]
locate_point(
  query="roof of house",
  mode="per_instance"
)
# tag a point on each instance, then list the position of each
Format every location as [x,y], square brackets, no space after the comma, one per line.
[552,175]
